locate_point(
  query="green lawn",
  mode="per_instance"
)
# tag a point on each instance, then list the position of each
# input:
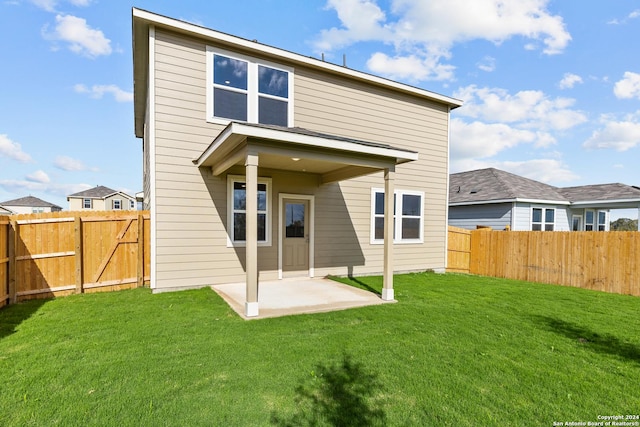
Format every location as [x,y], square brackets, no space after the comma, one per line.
[455,350]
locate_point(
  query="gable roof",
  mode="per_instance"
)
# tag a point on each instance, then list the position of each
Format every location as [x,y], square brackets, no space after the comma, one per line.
[143,19]
[493,186]
[31,202]
[98,192]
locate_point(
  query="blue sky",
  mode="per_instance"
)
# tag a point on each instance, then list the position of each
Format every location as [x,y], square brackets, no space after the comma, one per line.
[551,88]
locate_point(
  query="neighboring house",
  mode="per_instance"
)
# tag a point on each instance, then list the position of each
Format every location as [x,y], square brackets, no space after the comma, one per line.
[28,205]
[498,199]
[5,211]
[259,162]
[101,198]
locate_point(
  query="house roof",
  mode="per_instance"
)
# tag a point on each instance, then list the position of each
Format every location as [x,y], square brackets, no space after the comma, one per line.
[601,192]
[143,19]
[493,185]
[486,185]
[98,192]
[31,202]
[332,157]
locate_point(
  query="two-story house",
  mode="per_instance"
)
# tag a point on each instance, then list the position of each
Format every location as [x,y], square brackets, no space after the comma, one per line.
[260,163]
[101,198]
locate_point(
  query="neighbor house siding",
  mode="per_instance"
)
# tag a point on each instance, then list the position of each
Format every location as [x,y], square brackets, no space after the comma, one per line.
[191,204]
[523,216]
[496,216]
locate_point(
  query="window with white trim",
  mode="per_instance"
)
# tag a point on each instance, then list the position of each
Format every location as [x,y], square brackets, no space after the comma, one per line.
[247,89]
[237,211]
[132,204]
[589,220]
[408,216]
[86,203]
[543,219]
[117,204]
[602,221]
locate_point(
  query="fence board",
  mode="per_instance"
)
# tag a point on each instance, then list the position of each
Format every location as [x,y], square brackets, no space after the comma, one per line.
[60,253]
[4,261]
[602,261]
[458,250]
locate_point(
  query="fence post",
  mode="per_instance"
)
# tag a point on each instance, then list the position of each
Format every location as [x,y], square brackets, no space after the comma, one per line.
[140,270]
[13,239]
[78,254]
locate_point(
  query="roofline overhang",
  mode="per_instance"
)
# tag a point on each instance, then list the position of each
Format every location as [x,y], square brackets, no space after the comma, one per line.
[141,17]
[236,133]
[606,202]
[515,200]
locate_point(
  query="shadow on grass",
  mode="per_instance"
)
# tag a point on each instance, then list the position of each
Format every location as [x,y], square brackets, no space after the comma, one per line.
[13,315]
[355,282]
[336,395]
[605,344]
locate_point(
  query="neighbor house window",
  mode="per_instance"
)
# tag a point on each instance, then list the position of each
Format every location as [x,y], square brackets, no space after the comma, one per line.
[589,220]
[132,204]
[602,221]
[37,210]
[408,216]
[237,212]
[117,205]
[543,219]
[246,89]
[86,203]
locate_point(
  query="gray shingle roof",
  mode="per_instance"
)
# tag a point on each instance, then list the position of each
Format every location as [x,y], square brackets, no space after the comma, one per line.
[30,201]
[486,185]
[601,192]
[97,192]
[493,184]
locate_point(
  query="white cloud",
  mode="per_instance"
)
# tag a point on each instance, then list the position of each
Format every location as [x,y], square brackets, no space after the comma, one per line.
[479,140]
[82,39]
[38,176]
[628,87]
[410,67]
[50,5]
[633,15]
[26,186]
[13,150]
[98,91]
[527,109]
[619,135]
[423,32]
[569,80]
[487,64]
[70,164]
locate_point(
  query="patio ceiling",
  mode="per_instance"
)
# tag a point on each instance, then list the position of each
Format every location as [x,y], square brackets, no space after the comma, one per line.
[331,157]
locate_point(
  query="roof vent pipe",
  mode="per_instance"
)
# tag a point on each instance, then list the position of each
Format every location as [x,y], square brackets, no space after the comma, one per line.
[344,59]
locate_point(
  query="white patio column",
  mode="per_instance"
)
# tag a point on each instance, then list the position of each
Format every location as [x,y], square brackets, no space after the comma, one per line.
[638,217]
[387,277]
[251,220]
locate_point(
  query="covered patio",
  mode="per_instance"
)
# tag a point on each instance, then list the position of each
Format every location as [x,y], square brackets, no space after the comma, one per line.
[331,158]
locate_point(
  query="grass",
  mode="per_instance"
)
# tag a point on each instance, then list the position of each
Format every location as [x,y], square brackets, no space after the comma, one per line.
[455,350]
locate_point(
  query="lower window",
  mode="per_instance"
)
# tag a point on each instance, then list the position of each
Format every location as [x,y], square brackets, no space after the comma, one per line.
[408,218]
[237,202]
[543,219]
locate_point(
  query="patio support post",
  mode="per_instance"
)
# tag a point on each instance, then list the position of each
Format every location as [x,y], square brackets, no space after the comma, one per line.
[251,218]
[387,281]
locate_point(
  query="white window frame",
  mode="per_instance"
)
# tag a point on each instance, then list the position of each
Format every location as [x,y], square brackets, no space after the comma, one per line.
[113,204]
[132,205]
[543,222]
[603,224]
[581,221]
[252,86]
[593,224]
[397,219]
[84,203]
[231,180]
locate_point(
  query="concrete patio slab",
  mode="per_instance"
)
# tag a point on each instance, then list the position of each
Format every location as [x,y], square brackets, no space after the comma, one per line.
[297,296]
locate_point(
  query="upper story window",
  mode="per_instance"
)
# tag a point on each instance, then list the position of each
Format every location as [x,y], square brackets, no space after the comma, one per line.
[543,219]
[242,88]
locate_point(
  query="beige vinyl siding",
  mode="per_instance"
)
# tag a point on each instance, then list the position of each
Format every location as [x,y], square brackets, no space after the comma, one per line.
[191,204]
[75,204]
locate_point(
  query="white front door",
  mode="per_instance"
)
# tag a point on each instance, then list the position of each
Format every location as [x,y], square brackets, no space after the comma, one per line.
[295,237]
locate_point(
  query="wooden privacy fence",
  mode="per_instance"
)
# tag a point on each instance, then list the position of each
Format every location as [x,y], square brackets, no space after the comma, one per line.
[603,261]
[60,253]
[459,250]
